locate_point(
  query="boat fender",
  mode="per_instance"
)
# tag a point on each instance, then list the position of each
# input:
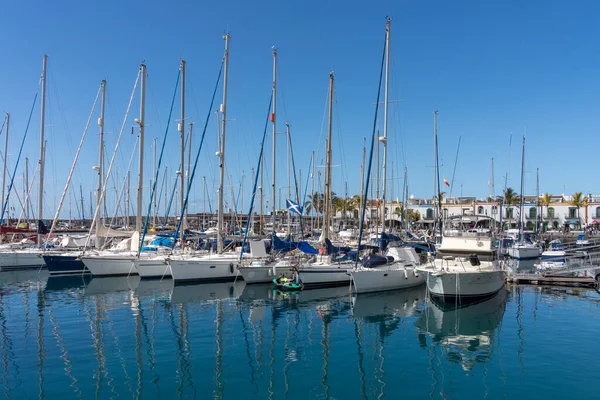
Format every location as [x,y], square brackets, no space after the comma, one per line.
[405,273]
[415,273]
[231,269]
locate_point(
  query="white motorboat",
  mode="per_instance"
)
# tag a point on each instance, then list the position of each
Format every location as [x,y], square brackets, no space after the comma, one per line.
[462,277]
[524,251]
[469,234]
[400,273]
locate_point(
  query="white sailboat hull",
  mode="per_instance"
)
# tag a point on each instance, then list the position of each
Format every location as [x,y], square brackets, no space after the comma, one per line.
[465,284]
[205,269]
[110,265]
[325,275]
[155,267]
[21,259]
[367,280]
[264,273]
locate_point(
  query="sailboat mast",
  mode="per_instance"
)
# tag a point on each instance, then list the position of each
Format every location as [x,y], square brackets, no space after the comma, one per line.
[537,200]
[435,169]
[328,164]
[6,156]
[222,149]
[312,196]
[182,145]
[141,122]
[27,199]
[189,165]
[42,146]
[385,123]
[289,172]
[100,159]
[274,122]
[522,185]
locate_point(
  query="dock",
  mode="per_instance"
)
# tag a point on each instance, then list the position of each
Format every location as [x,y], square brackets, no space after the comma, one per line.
[538,279]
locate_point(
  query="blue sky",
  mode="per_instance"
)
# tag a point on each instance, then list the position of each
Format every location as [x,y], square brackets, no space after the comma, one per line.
[490,68]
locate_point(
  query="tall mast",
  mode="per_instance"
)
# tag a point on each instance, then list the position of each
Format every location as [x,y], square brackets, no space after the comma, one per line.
[522,187]
[385,123]
[182,149]
[151,184]
[28,200]
[435,169]
[6,156]
[100,158]
[362,169]
[312,196]
[405,199]
[42,146]
[204,205]
[289,170]
[222,149]
[273,120]
[328,164]
[141,122]
[189,165]
[537,200]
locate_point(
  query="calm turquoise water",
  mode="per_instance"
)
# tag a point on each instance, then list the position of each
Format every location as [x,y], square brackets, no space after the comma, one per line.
[115,337]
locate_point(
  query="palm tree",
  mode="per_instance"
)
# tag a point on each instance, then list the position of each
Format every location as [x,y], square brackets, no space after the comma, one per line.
[578,201]
[545,201]
[316,202]
[510,197]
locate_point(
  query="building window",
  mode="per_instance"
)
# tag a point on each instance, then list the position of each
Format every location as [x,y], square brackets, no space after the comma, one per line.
[374,213]
[532,212]
[480,210]
[446,213]
[529,226]
[597,212]
[510,213]
[572,212]
[550,212]
[555,225]
[429,214]
[494,210]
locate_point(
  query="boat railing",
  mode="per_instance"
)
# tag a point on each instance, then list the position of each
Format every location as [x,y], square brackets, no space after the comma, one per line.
[478,235]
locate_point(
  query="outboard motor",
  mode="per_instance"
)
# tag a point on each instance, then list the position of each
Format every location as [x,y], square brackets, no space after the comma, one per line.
[474,260]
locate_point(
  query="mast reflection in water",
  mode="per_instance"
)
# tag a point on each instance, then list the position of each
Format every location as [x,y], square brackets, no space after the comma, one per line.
[115,337]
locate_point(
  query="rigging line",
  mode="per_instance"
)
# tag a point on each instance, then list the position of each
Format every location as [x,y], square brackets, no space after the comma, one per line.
[27,199]
[70,176]
[319,143]
[300,205]
[16,191]
[160,158]
[366,192]
[193,174]
[122,191]
[341,143]
[112,159]
[454,170]
[256,176]
[10,186]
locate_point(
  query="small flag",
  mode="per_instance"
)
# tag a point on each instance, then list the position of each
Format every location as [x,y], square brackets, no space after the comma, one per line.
[294,207]
[446,182]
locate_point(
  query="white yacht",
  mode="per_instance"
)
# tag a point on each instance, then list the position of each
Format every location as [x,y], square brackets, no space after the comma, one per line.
[463,277]
[399,273]
[524,250]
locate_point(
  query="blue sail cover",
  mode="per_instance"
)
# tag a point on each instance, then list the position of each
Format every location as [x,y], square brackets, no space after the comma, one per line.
[331,249]
[282,246]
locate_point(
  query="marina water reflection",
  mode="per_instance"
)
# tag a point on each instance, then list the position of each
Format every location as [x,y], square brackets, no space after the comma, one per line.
[113,337]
